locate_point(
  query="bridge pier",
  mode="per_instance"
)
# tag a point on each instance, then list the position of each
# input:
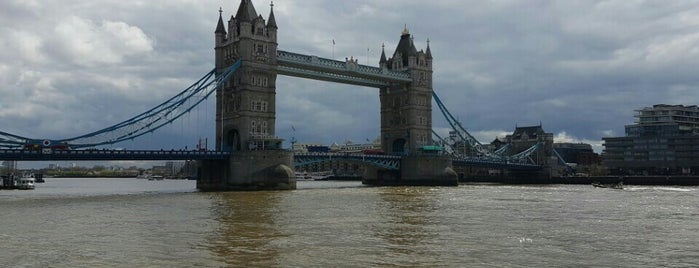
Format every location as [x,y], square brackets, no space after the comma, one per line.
[248,171]
[415,171]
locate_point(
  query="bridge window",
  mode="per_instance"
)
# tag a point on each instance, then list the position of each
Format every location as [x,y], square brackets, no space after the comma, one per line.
[259,128]
[260,48]
[258,106]
[259,80]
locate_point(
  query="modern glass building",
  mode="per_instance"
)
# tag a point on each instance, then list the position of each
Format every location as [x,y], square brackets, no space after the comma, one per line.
[664,140]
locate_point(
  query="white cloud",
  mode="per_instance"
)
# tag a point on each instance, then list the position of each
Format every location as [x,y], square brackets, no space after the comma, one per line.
[84,42]
[563,137]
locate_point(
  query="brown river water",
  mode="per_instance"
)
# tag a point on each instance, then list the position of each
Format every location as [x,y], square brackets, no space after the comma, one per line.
[93,222]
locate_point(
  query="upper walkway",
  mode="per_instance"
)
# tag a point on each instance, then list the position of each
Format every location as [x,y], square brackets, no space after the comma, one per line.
[347,72]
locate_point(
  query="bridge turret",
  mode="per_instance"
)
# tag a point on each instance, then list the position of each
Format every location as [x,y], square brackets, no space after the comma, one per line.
[220,41]
[232,28]
[220,29]
[271,22]
[383,62]
[428,55]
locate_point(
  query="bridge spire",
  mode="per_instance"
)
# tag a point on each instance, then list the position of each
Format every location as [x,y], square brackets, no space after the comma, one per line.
[428,52]
[271,22]
[220,29]
[246,11]
[383,60]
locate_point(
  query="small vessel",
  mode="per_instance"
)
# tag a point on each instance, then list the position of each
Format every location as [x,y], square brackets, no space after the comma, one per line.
[321,176]
[26,182]
[303,176]
[313,176]
[618,185]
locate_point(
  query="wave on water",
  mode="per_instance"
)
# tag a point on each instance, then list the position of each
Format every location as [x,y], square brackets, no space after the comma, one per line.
[658,188]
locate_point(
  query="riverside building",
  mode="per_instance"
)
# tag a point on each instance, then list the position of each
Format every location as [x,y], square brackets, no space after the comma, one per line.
[664,140]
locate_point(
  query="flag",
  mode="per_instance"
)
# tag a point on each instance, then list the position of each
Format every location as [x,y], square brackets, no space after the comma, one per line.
[292,128]
[333,42]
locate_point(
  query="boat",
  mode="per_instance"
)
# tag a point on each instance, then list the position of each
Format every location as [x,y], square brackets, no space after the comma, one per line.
[321,176]
[303,176]
[313,176]
[26,182]
[619,185]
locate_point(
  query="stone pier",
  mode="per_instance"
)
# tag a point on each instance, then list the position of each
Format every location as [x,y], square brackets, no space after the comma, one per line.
[415,171]
[248,171]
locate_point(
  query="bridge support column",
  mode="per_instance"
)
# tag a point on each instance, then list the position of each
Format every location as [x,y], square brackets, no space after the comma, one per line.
[248,171]
[416,171]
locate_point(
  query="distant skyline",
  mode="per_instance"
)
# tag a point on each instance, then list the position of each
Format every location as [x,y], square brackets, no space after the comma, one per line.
[580,68]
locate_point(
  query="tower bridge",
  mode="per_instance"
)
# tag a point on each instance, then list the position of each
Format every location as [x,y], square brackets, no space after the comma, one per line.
[246,106]
[248,155]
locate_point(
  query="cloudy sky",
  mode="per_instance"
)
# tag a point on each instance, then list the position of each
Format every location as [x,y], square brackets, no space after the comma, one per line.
[579,68]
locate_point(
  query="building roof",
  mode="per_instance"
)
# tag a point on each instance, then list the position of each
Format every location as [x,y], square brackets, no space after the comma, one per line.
[271,22]
[530,131]
[246,11]
[428,53]
[383,55]
[219,27]
[405,47]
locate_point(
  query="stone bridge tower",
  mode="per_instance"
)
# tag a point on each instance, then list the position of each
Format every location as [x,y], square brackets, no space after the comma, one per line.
[406,121]
[406,109]
[245,108]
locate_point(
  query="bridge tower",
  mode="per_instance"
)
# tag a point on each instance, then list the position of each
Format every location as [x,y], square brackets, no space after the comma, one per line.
[245,107]
[406,120]
[406,108]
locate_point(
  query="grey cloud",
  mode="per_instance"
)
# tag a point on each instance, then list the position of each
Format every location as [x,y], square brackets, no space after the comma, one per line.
[578,67]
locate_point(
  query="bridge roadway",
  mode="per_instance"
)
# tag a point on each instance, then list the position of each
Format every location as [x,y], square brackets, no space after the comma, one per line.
[391,162]
[106,155]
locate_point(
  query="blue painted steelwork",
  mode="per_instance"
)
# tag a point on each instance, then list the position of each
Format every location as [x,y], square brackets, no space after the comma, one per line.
[390,162]
[563,162]
[159,116]
[98,155]
[460,130]
[141,124]
[489,163]
[8,140]
[483,154]
[348,72]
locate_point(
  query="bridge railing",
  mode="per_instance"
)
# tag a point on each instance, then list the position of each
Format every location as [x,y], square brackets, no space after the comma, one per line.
[35,155]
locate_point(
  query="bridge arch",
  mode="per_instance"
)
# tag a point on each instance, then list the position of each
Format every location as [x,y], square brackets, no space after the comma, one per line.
[380,161]
[398,147]
[231,140]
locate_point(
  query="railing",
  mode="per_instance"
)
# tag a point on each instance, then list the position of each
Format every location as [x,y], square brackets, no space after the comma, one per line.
[490,163]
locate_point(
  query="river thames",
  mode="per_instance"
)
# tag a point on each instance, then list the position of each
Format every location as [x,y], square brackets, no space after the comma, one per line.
[139,223]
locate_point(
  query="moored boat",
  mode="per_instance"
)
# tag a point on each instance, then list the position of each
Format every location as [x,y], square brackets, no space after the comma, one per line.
[619,185]
[26,182]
